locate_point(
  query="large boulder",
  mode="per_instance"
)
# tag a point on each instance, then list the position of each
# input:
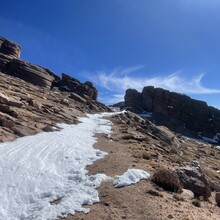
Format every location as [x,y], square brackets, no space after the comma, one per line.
[32,73]
[9,48]
[192,177]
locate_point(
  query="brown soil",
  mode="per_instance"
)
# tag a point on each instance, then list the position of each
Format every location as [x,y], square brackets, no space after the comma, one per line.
[133,202]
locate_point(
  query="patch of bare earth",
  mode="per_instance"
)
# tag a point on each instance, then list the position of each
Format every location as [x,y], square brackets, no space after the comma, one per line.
[130,147]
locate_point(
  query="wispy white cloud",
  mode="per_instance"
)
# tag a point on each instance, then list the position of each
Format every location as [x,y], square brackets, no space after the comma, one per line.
[119,80]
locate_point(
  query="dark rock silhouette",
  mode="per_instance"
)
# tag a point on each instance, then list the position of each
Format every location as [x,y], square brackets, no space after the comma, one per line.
[175,110]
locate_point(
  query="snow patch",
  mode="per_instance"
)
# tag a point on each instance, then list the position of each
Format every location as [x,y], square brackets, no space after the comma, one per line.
[146,114]
[214,140]
[130,177]
[217,147]
[37,170]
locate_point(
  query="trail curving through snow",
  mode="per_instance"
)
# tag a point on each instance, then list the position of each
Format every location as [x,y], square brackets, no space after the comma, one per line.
[36,170]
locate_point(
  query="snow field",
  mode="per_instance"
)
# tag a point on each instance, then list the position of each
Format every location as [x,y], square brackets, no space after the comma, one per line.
[36,170]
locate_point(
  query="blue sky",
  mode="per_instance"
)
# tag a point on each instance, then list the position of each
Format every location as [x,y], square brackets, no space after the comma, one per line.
[120,44]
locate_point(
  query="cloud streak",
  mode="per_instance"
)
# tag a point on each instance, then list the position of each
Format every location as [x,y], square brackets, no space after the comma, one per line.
[119,80]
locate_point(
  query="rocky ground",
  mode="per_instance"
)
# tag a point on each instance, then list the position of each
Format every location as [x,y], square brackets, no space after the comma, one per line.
[134,144]
[26,109]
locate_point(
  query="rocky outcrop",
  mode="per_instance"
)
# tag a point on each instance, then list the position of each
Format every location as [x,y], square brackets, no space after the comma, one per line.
[192,114]
[33,98]
[191,177]
[9,48]
[68,83]
[26,109]
[31,73]
[40,76]
[133,101]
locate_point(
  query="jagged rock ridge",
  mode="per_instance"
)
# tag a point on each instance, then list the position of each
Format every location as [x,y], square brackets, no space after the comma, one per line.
[175,108]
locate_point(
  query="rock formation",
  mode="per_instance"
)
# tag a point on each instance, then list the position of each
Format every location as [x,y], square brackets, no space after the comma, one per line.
[11,64]
[9,48]
[33,98]
[68,83]
[175,108]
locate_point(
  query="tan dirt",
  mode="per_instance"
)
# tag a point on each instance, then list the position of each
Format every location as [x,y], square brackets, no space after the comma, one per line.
[132,202]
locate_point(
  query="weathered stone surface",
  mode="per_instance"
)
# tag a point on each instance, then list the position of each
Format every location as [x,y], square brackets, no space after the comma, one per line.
[77,97]
[31,73]
[71,84]
[192,178]
[88,90]
[196,115]
[9,48]
[7,109]
[9,101]
[133,101]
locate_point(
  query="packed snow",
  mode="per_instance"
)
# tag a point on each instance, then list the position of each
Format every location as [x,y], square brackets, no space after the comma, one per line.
[130,177]
[37,170]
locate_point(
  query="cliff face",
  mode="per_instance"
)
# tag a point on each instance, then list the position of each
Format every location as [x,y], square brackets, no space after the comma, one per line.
[194,115]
